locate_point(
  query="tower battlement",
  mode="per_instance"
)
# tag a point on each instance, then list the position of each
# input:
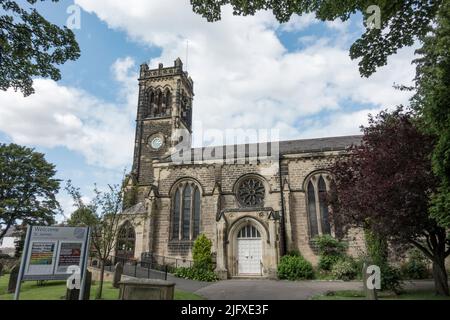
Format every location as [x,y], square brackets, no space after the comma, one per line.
[176,70]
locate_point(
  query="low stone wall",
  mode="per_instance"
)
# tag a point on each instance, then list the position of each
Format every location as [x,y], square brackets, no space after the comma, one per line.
[146,289]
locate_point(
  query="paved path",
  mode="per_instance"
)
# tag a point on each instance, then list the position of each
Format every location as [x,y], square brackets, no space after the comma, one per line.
[287,290]
[272,289]
[262,289]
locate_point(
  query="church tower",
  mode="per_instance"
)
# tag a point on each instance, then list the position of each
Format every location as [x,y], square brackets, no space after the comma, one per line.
[165,105]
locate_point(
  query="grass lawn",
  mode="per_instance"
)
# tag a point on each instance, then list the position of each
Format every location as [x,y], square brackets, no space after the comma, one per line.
[56,290]
[359,295]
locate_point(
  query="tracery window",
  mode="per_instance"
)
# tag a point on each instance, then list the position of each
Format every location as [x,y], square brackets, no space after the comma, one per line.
[126,240]
[158,102]
[251,192]
[186,206]
[317,208]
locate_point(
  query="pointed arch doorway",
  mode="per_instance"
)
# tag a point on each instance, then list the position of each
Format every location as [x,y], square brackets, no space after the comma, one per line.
[249,251]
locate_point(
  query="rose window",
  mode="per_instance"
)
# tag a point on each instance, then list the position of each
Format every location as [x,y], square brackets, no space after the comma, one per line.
[251,193]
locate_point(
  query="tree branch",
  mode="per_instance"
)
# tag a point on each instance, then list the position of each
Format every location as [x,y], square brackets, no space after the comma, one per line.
[423,249]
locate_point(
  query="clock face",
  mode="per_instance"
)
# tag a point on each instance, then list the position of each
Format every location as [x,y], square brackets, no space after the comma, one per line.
[156,143]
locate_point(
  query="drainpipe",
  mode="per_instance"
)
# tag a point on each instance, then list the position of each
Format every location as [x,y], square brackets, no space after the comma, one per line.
[283,226]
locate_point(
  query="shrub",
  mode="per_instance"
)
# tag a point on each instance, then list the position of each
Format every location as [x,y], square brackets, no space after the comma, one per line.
[391,279]
[202,270]
[295,268]
[416,267]
[194,273]
[344,269]
[201,253]
[326,263]
[331,251]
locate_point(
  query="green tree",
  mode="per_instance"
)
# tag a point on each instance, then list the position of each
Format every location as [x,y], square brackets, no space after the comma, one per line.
[28,188]
[31,46]
[432,101]
[103,215]
[402,21]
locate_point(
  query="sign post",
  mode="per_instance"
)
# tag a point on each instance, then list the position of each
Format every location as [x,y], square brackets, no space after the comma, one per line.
[49,252]
[22,264]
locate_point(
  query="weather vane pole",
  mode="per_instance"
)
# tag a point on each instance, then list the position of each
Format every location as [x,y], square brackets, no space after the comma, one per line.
[187,54]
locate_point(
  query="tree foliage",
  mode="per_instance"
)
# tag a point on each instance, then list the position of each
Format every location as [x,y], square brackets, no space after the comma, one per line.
[28,188]
[31,46]
[385,186]
[402,21]
[432,101]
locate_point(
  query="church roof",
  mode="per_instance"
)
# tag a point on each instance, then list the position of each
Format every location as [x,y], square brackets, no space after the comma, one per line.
[285,147]
[319,145]
[136,209]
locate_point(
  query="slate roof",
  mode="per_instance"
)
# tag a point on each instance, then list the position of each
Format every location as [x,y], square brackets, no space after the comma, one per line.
[285,147]
[319,145]
[136,209]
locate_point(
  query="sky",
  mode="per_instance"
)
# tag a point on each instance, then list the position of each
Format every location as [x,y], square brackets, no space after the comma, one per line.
[249,73]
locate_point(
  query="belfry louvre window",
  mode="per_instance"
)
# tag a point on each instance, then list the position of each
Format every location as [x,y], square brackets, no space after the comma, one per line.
[317,209]
[186,206]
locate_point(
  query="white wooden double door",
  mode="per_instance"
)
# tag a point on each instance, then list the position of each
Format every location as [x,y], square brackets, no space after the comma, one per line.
[249,256]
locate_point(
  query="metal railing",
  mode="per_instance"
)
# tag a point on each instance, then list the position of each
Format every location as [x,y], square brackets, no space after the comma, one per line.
[161,262]
[136,268]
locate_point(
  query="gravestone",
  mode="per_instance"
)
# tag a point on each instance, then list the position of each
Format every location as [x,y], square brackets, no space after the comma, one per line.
[146,289]
[13,279]
[371,294]
[118,271]
[74,294]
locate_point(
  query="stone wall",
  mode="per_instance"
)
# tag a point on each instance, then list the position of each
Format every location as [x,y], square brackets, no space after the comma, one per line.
[217,182]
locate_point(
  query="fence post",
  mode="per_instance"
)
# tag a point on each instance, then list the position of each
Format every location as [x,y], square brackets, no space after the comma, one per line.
[135,268]
[166,273]
[148,271]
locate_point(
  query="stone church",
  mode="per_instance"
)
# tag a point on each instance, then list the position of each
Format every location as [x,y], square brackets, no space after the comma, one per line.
[255,202]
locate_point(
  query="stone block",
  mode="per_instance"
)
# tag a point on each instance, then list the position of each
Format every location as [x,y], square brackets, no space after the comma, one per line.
[146,289]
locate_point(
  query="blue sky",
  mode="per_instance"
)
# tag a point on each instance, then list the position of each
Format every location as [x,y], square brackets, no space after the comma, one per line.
[249,72]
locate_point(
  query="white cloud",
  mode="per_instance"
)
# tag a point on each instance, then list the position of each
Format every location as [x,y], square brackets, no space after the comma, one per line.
[244,76]
[298,23]
[57,115]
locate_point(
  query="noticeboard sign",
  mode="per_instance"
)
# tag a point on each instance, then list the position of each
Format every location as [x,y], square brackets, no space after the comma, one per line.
[52,250]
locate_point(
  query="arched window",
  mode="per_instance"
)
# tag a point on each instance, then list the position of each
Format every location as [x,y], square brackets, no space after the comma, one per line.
[126,241]
[317,208]
[186,212]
